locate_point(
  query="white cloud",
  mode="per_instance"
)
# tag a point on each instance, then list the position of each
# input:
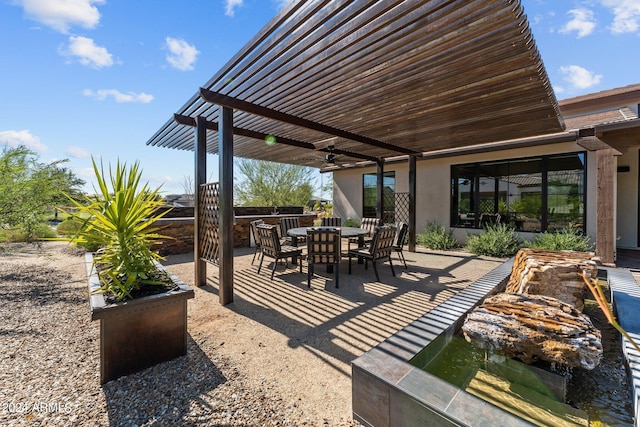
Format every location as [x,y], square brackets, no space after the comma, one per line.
[62,14]
[280,4]
[558,89]
[626,15]
[181,54]
[583,22]
[15,138]
[118,96]
[77,152]
[580,78]
[87,52]
[231,5]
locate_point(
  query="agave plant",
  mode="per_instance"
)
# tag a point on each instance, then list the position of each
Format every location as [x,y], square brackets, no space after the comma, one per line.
[119,221]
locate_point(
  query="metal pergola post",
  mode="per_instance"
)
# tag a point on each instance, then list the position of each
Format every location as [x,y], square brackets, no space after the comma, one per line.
[412,203]
[380,190]
[200,173]
[225,228]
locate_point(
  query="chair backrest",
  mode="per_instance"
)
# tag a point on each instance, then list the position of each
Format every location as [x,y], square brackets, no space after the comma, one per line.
[401,233]
[323,245]
[369,224]
[254,231]
[287,223]
[331,222]
[269,241]
[382,241]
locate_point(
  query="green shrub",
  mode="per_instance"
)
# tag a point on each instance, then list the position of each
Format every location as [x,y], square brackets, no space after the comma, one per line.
[69,226]
[38,232]
[350,222]
[437,237]
[569,239]
[499,240]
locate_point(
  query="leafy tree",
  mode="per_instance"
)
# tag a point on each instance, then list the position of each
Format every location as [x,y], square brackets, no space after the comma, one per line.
[29,189]
[273,184]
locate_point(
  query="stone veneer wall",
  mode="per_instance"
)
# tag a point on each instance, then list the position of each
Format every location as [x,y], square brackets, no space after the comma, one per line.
[180,231]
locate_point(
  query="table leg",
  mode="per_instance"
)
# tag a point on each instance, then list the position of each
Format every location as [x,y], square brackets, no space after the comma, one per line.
[360,244]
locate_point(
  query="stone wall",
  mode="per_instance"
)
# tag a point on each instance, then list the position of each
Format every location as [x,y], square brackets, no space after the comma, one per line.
[180,231]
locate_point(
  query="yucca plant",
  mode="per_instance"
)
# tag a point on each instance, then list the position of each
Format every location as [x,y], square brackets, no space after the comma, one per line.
[119,221]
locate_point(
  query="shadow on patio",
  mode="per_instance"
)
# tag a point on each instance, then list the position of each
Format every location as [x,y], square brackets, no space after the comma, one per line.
[338,325]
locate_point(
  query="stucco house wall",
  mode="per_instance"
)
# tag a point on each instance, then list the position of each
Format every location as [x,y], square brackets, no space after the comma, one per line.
[627,201]
[433,183]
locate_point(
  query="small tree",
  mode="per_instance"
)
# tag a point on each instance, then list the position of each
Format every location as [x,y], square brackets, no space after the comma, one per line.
[29,189]
[273,184]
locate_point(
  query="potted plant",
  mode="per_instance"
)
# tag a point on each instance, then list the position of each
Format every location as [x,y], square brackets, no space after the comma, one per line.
[142,308]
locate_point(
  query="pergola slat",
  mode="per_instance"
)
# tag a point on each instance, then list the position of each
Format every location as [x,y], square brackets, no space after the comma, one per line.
[421,75]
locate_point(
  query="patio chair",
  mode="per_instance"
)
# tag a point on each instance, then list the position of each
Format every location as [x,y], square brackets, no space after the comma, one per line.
[398,242]
[323,247]
[331,222]
[368,224]
[285,225]
[380,249]
[270,246]
[256,239]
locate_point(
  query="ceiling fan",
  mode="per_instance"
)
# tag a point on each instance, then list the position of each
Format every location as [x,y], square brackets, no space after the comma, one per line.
[329,159]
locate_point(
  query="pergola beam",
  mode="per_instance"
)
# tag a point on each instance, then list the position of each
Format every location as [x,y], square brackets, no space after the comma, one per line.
[249,107]
[190,121]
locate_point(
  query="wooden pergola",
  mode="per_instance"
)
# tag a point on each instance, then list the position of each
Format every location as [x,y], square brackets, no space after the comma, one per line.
[372,81]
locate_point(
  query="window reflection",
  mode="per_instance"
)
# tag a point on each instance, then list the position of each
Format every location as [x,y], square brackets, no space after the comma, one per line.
[533,194]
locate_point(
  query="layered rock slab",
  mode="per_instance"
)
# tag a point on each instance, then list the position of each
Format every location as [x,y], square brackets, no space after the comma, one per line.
[553,273]
[535,327]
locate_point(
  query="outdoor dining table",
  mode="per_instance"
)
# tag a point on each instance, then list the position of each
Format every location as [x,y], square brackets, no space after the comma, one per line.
[345,232]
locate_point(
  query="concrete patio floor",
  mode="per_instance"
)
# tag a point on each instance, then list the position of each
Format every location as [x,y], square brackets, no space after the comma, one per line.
[305,339]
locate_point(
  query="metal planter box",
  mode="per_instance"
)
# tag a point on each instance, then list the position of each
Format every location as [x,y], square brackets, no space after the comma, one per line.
[139,333]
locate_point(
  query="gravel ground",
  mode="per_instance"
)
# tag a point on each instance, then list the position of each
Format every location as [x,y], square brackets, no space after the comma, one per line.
[280,354]
[49,362]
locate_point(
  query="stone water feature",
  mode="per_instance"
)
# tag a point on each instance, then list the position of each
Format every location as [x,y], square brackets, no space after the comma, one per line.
[391,386]
[539,316]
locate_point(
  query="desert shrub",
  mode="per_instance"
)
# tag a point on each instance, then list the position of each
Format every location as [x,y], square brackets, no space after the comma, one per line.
[69,226]
[39,231]
[436,236]
[569,239]
[498,240]
[351,222]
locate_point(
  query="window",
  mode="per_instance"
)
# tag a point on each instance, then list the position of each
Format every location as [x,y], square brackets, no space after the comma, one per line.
[370,195]
[533,194]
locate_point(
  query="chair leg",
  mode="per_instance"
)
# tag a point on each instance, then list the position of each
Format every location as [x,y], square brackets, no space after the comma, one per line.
[309,275]
[391,265]
[254,256]
[375,269]
[261,259]
[403,260]
[275,264]
[337,268]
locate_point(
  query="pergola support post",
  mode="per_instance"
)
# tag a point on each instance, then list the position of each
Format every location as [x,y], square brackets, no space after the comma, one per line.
[380,190]
[225,228]
[605,205]
[200,173]
[412,203]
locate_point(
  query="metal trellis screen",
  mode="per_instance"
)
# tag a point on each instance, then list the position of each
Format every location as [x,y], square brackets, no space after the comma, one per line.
[396,208]
[209,238]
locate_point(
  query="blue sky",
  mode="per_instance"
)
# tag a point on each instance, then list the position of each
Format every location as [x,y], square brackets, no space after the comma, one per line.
[84,78]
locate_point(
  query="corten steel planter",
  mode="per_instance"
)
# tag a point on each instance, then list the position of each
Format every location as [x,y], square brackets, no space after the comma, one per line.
[139,333]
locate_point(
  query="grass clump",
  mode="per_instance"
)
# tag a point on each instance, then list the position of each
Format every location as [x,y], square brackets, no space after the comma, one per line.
[499,240]
[567,239]
[436,236]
